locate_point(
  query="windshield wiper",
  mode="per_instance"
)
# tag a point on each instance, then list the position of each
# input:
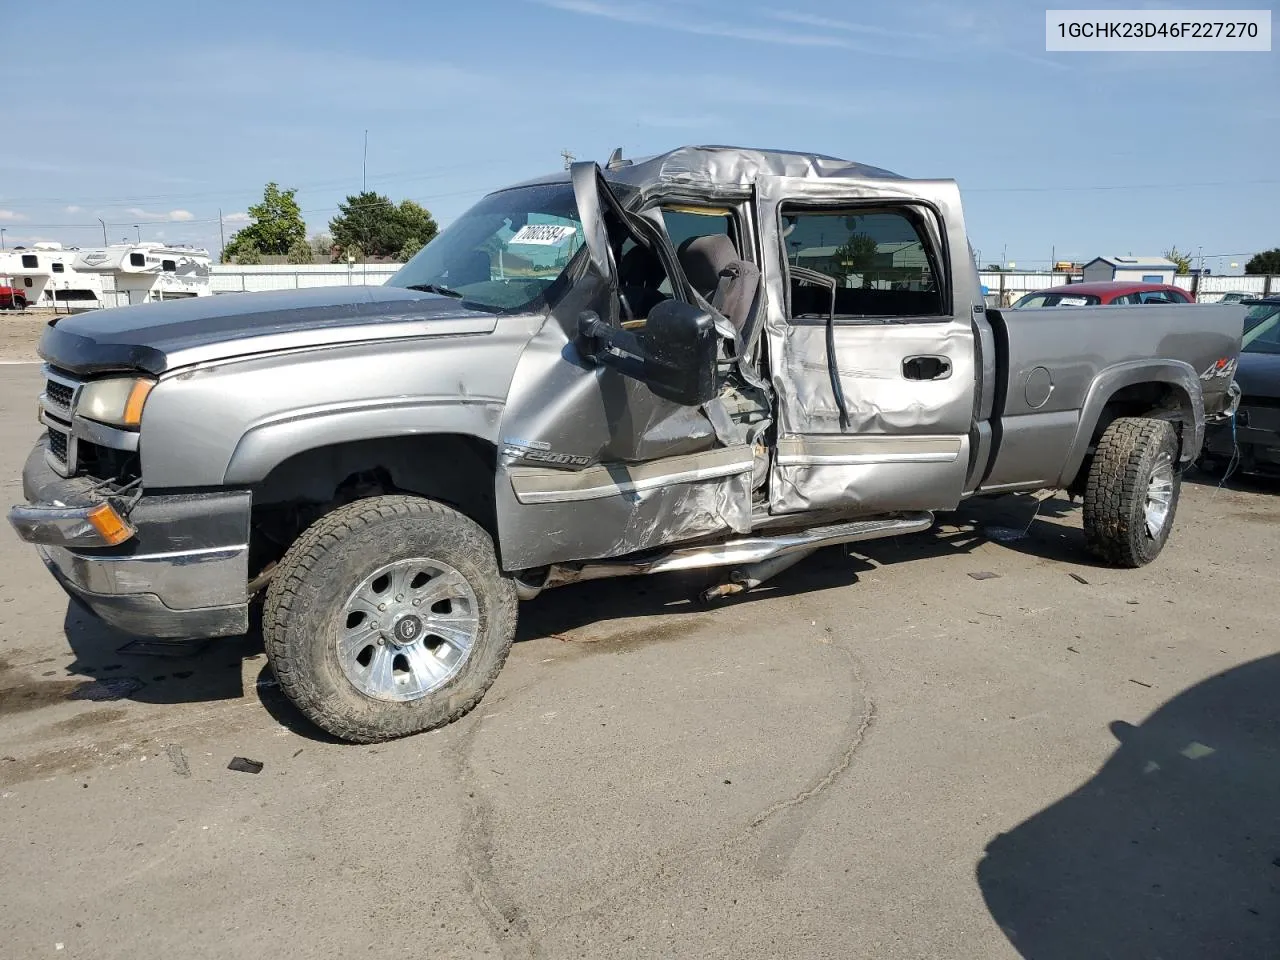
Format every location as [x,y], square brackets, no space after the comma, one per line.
[435,288]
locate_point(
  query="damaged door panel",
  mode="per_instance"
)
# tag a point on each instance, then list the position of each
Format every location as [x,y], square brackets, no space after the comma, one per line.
[872,340]
[595,461]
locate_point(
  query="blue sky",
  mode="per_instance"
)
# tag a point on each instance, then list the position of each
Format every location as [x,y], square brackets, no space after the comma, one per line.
[159,115]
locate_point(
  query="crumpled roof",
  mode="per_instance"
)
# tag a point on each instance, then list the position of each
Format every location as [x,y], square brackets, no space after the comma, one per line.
[728,166]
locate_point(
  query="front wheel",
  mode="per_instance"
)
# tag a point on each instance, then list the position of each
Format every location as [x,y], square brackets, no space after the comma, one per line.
[387,617]
[1132,492]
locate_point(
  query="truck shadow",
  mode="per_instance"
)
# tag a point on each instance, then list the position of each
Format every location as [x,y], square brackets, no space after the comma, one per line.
[1236,481]
[167,673]
[1172,850]
[216,670]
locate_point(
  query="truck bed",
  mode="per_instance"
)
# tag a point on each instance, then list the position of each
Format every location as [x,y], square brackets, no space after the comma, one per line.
[1055,370]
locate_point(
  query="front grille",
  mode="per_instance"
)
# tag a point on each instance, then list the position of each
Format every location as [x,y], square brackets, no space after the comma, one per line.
[59,394]
[58,445]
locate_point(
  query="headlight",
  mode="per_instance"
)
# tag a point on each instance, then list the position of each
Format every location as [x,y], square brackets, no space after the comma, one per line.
[117,402]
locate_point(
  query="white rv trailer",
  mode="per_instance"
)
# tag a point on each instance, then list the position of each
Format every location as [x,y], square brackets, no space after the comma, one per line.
[45,273]
[77,279]
[147,272]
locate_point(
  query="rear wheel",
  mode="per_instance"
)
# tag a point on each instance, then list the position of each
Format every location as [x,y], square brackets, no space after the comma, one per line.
[387,617]
[1132,492]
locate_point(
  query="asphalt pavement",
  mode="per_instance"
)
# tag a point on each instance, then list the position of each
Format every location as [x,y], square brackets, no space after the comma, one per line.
[876,755]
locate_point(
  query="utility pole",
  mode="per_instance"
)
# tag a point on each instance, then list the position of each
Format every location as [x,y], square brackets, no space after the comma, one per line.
[104,232]
[364,166]
[568,158]
[222,236]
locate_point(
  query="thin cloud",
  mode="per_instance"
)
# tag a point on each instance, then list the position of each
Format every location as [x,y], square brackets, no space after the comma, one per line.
[8,216]
[848,26]
[175,215]
[236,218]
[652,16]
[74,209]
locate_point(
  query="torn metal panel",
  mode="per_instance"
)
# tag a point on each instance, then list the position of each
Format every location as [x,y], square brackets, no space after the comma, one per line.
[622,523]
[925,481]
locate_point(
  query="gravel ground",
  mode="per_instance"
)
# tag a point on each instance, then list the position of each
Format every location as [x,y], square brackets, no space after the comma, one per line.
[876,755]
[19,334]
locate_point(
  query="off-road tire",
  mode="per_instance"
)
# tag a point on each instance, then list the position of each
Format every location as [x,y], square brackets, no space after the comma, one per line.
[1115,497]
[305,604]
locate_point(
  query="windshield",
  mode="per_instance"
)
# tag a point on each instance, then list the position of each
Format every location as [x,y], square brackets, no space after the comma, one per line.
[1262,329]
[505,252]
[1058,300]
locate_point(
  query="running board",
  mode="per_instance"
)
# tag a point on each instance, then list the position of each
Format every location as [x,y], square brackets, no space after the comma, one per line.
[741,552]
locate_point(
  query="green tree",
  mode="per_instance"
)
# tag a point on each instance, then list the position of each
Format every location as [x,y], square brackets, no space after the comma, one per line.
[379,227]
[249,255]
[411,247]
[1183,260]
[277,225]
[301,252]
[1266,263]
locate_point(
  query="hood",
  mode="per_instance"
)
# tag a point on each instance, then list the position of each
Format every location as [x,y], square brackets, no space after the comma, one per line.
[157,337]
[1259,374]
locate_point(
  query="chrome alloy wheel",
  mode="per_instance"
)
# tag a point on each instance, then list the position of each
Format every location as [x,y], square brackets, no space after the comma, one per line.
[408,628]
[1159,495]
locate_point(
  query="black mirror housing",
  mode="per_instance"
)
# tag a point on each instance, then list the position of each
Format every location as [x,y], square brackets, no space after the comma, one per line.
[674,355]
[681,348]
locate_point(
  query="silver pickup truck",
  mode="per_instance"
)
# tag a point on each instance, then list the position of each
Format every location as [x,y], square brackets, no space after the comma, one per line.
[713,358]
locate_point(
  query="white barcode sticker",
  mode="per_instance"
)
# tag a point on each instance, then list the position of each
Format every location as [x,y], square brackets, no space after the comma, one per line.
[543,234]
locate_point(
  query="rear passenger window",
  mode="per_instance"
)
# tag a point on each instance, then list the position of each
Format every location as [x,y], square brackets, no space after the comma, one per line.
[880,261]
[684,223]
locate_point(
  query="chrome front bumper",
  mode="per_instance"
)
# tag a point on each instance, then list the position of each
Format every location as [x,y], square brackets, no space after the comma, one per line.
[183,573]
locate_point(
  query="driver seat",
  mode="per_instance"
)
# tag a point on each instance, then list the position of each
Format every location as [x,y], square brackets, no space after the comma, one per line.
[728,283]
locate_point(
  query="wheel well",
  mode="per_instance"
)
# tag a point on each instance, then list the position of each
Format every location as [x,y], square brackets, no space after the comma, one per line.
[1157,399]
[454,469]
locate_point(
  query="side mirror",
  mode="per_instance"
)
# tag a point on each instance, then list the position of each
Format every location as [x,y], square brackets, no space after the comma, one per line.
[674,355]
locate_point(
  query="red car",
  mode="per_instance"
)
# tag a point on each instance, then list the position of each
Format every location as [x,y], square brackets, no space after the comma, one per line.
[1112,292]
[11,298]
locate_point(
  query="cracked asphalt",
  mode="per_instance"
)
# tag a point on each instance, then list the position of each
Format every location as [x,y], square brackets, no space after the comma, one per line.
[876,755]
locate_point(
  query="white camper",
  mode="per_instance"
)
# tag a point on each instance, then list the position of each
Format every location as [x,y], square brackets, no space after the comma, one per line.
[46,275]
[147,272]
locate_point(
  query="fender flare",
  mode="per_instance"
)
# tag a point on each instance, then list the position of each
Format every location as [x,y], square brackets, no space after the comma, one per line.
[267,444]
[1112,379]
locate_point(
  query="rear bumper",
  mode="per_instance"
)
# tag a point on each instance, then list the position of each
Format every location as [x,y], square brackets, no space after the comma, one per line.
[182,574]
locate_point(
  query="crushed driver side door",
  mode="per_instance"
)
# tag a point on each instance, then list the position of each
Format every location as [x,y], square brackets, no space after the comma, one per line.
[593,463]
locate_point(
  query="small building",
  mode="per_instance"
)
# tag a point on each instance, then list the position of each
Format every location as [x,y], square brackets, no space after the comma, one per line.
[1132,269]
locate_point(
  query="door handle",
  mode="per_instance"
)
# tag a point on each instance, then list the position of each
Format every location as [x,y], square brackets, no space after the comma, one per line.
[926,368]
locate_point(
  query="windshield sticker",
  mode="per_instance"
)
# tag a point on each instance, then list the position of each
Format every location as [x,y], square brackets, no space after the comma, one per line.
[543,234]
[1072,302]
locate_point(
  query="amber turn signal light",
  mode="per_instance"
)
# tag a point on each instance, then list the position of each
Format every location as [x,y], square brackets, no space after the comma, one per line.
[112,527]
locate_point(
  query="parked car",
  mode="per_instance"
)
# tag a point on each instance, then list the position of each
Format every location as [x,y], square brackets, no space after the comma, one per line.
[12,298]
[713,358]
[1238,296]
[1253,440]
[1107,293]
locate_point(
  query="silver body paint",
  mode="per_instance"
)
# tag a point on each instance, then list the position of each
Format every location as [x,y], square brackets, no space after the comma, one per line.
[590,464]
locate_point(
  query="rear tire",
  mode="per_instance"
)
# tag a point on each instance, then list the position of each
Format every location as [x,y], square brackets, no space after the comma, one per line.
[1132,491]
[388,616]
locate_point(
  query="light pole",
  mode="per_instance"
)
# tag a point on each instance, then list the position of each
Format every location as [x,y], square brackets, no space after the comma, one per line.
[104,232]
[1,238]
[139,232]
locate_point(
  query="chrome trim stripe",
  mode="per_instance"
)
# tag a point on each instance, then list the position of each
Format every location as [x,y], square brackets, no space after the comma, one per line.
[541,485]
[851,451]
